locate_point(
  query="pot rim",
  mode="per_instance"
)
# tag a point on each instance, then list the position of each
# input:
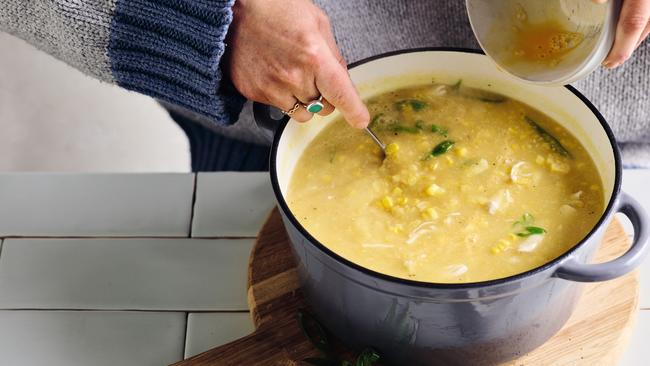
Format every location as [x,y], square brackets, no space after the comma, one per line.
[434,285]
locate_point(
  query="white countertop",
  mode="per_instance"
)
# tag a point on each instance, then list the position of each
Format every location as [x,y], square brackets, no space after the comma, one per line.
[123,269]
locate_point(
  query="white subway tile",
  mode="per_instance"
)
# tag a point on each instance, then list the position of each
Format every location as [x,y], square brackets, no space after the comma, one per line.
[209,330]
[51,204]
[119,274]
[97,338]
[231,204]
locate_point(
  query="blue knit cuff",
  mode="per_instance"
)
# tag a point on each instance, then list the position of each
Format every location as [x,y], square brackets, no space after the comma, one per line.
[171,50]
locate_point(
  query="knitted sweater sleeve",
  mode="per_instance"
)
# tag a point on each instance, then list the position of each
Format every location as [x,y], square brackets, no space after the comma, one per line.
[167,49]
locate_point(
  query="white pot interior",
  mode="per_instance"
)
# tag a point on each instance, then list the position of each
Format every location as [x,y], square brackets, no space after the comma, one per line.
[476,70]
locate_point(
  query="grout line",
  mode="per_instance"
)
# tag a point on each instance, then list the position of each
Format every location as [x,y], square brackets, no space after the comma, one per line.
[187,329]
[128,310]
[196,180]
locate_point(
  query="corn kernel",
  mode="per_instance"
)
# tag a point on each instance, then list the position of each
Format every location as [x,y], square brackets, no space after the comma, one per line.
[503,243]
[495,250]
[412,179]
[434,190]
[387,202]
[402,201]
[430,213]
[540,160]
[392,149]
[397,191]
[449,160]
[461,152]
[396,229]
[512,236]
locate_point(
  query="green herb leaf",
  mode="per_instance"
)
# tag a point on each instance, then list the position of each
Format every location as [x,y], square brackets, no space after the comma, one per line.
[439,130]
[416,105]
[550,139]
[321,361]
[526,220]
[402,128]
[442,148]
[532,230]
[315,333]
[483,96]
[375,120]
[494,100]
[367,358]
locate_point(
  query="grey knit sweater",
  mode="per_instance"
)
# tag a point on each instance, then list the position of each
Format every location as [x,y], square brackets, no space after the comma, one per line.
[170,50]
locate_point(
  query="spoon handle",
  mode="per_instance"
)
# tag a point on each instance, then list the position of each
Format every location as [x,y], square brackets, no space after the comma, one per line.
[376,139]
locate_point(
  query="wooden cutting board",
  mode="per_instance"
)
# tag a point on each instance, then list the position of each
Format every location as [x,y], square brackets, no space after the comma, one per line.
[596,334]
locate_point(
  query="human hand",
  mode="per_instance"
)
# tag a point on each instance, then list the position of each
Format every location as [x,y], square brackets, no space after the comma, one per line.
[282,52]
[633,28]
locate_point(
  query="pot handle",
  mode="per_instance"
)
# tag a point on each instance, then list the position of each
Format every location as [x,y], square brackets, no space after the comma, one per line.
[263,115]
[574,271]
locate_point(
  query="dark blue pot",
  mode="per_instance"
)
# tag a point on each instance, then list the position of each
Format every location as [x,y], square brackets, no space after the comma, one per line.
[482,323]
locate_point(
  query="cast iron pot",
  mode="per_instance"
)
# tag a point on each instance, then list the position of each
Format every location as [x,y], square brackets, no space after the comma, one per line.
[480,323]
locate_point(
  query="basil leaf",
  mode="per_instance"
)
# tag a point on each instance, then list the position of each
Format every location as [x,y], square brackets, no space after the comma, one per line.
[550,139]
[367,358]
[442,148]
[375,120]
[439,130]
[414,104]
[402,128]
[318,337]
[526,220]
[532,230]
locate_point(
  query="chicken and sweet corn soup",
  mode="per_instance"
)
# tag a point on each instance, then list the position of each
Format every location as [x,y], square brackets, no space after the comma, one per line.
[474,187]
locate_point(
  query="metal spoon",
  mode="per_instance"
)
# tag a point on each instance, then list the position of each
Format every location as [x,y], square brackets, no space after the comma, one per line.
[377,141]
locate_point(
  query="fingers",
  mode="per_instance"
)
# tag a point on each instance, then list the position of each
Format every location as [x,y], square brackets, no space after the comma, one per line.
[289,103]
[309,93]
[644,35]
[326,31]
[327,108]
[631,26]
[334,83]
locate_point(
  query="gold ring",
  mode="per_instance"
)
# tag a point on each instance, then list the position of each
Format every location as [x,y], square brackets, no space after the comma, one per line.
[293,110]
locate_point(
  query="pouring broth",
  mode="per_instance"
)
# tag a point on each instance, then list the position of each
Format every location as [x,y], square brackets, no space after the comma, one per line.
[475,186]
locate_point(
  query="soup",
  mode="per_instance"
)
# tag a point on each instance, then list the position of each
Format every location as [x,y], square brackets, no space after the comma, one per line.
[475,186]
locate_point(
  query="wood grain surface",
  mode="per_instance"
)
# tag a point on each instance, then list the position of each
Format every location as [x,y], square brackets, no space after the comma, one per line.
[596,334]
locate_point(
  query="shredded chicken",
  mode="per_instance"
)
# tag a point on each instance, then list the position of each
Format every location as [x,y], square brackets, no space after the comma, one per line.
[456,269]
[567,210]
[531,243]
[499,200]
[521,173]
[423,228]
